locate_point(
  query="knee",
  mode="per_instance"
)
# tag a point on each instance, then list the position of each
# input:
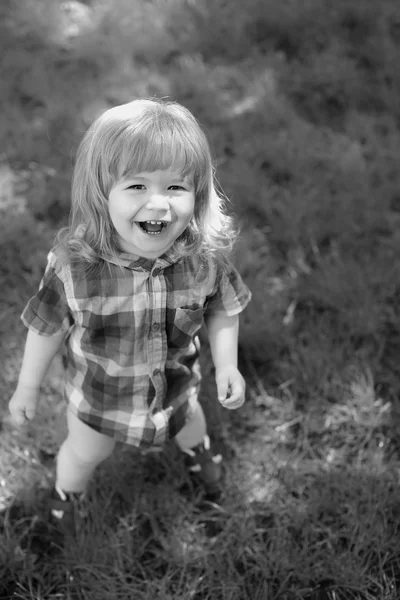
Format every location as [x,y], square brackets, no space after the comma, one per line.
[88,454]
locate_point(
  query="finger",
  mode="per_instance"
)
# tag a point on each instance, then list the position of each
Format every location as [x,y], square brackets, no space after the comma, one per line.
[29,414]
[232,403]
[238,389]
[237,396]
[236,392]
[19,417]
[231,406]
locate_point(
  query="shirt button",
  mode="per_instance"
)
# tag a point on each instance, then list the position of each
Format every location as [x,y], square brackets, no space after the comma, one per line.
[156,326]
[156,372]
[155,272]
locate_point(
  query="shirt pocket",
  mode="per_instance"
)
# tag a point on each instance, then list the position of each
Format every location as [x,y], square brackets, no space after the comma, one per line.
[109,334]
[183,327]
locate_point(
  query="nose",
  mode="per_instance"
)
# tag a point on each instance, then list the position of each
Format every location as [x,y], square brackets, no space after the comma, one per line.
[157,201]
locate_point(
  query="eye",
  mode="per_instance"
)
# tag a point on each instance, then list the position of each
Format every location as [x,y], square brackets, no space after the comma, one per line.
[176,187]
[136,186]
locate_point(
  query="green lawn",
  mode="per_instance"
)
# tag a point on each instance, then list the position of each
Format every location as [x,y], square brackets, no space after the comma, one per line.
[301,103]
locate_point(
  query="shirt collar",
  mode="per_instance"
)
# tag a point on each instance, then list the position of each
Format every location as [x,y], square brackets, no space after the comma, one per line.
[132,261]
[139,263]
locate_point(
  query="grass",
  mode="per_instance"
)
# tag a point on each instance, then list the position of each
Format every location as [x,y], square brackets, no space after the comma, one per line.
[300,102]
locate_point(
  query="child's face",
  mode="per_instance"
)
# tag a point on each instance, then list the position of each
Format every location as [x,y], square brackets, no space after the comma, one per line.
[151,210]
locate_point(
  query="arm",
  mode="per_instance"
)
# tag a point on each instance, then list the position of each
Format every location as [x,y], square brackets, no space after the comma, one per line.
[39,352]
[223,335]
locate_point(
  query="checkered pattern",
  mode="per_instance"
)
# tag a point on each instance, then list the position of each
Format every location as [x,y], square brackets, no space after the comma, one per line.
[132,350]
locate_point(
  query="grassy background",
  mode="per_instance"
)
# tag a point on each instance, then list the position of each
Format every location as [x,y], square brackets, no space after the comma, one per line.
[300,102]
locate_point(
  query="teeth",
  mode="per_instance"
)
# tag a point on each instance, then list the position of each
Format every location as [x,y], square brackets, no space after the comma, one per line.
[161,224]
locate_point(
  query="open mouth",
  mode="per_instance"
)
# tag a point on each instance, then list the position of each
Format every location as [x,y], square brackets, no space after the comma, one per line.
[153,227]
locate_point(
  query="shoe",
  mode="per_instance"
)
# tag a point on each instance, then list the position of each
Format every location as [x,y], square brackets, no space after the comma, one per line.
[206,467]
[64,509]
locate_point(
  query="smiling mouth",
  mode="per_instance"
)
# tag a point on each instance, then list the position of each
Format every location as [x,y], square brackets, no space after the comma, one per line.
[153,227]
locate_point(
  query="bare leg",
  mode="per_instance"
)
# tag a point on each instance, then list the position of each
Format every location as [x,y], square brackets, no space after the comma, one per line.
[193,432]
[201,459]
[82,451]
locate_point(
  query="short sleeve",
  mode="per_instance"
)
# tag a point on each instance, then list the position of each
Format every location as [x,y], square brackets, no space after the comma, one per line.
[230,295]
[48,313]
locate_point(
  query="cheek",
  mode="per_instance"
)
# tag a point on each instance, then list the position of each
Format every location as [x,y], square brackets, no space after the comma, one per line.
[186,217]
[190,207]
[113,213]
[119,210]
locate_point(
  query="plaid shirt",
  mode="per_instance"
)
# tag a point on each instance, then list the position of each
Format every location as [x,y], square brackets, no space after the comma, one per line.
[132,368]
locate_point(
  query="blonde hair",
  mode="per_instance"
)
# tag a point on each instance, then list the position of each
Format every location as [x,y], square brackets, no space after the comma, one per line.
[143,135]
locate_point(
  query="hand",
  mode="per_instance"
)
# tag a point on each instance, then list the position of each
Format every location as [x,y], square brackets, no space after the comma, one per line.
[231,387]
[23,404]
